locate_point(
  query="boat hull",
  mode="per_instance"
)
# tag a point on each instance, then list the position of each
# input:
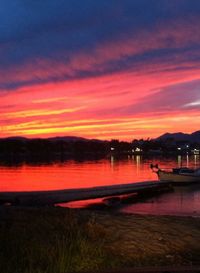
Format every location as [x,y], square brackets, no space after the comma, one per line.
[177,178]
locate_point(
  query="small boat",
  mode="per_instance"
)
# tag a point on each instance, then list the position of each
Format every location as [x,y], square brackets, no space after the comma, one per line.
[177,175]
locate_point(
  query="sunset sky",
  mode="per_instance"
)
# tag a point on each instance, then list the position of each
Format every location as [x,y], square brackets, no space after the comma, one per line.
[99,68]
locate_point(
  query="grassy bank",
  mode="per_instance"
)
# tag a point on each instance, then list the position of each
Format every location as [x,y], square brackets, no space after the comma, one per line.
[62,240]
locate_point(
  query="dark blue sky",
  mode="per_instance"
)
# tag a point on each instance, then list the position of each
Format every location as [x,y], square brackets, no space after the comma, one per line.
[59,30]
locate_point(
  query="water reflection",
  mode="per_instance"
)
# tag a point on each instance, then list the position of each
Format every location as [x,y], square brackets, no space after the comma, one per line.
[196,160]
[183,201]
[187,161]
[80,174]
[112,161]
[138,161]
[179,161]
[75,174]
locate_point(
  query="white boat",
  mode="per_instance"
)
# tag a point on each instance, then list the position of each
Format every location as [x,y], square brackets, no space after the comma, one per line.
[177,175]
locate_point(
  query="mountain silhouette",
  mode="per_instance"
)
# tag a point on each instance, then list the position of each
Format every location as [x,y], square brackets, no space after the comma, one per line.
[193,137]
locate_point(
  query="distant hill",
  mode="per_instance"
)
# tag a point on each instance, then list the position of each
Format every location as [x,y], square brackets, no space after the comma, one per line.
[54,139]
[16,138]
[68,138]
[73,139]
[194,137]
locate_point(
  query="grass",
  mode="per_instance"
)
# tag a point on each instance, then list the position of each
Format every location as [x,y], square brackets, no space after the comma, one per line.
[44,240]
[48,240]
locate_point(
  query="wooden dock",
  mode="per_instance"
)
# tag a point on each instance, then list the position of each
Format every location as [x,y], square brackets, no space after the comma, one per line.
[42,198]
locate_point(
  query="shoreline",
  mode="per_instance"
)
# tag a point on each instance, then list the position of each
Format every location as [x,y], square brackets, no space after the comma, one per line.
[49,238]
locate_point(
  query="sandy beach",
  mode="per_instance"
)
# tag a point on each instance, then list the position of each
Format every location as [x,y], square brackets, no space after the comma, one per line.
[152,240]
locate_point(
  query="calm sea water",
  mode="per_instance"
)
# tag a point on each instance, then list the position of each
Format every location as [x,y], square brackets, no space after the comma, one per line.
[74,174]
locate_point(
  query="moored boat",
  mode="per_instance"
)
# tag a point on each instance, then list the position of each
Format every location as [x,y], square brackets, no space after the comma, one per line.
[177,175]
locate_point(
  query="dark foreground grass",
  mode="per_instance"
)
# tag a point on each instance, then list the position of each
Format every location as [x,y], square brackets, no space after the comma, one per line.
[58,240]
[49,240]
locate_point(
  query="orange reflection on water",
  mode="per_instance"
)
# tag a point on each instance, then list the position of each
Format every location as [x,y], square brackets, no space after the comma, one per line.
[73,174]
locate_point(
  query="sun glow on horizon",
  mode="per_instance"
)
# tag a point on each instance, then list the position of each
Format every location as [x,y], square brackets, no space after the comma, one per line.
[102,108]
